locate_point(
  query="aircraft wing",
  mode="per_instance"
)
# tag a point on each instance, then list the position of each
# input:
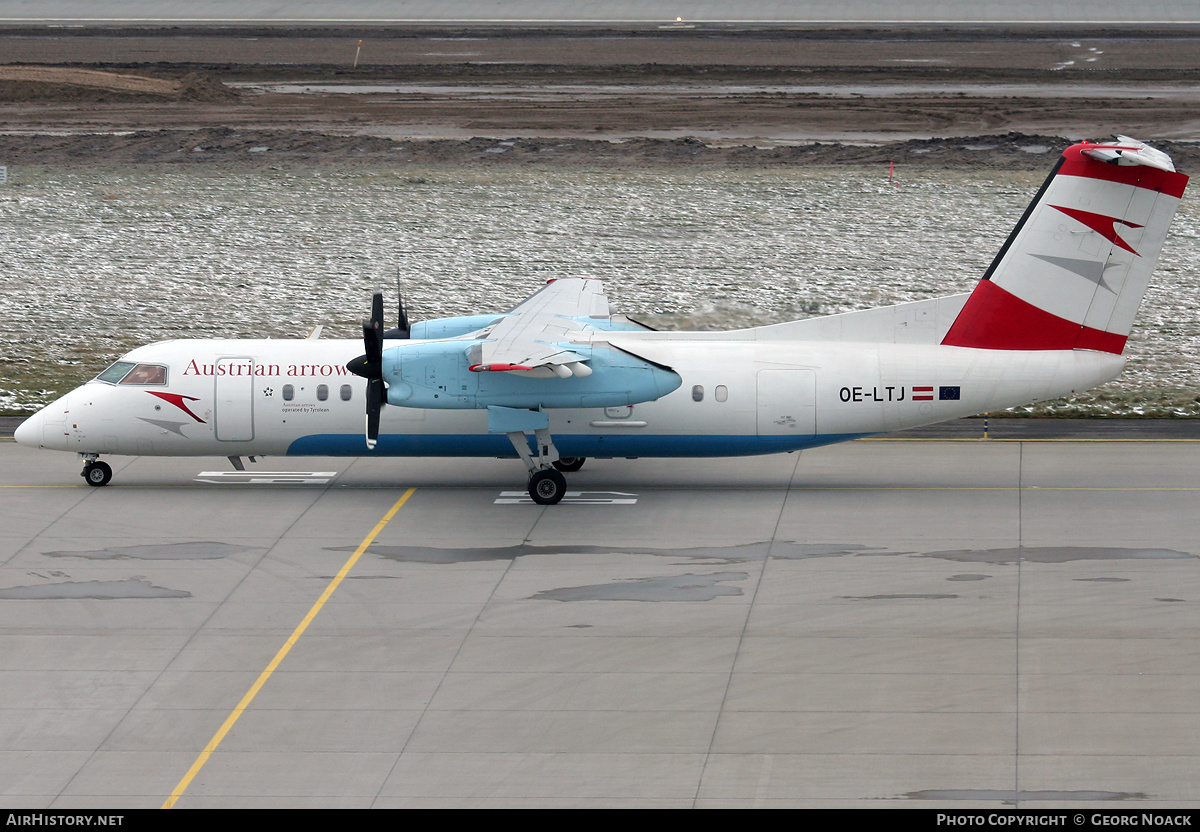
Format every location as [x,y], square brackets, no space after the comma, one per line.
[531,335]
[573,297]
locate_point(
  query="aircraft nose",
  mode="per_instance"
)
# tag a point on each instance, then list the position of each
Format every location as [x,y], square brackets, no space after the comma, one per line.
[29,432]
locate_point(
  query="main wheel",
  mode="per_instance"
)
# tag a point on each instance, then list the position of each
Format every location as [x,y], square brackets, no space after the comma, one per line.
[569,463]
[547,487]
[97,473]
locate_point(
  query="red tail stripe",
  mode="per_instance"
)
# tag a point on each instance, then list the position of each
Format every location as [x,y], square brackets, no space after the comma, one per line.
[1140,176]
[994,319]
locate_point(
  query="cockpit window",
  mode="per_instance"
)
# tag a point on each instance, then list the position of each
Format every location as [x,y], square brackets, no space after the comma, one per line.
[116,372]
[146,374]
[126,372]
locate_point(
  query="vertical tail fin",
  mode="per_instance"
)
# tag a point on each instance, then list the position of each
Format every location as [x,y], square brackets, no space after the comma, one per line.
[1072,273]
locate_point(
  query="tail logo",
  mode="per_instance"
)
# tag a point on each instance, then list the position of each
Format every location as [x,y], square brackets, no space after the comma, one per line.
[1104,226]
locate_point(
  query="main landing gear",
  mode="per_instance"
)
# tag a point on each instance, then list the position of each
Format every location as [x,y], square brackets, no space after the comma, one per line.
[547,485]
[96,473]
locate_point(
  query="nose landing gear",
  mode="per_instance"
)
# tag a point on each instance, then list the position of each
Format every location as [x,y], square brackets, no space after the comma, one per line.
[95,472]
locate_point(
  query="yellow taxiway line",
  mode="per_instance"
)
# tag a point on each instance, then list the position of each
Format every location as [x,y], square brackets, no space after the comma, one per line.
[283,651]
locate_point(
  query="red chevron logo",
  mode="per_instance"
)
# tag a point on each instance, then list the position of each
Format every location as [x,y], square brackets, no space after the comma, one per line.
[1102,225]
[177,400]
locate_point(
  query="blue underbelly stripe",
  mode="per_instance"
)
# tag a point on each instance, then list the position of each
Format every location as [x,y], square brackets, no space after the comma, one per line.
[334,444]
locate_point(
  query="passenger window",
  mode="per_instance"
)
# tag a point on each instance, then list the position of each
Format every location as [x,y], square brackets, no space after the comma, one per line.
[322,392]
[289,392]
[698,393]
[146,374]
[721,393]
[347,392]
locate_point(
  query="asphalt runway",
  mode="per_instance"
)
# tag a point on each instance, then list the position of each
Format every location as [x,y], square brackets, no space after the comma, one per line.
[888,623]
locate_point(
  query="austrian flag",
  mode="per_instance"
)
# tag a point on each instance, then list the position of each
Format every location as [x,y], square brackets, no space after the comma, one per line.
[945,394]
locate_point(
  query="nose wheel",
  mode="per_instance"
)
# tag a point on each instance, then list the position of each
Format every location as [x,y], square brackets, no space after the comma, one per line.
[96,473]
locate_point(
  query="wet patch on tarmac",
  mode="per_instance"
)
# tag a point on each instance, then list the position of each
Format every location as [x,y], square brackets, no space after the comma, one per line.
[1171,600]
[665,588]
[1055,554]
[913,596]
[359,577]
[198,550]
[1010,796]
[783,550]
[434,555]
[94,590]
[969,576]
[744,553]
[800,551]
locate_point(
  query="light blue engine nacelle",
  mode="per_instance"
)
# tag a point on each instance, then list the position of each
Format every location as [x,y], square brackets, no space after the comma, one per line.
[450,327]
[436,375]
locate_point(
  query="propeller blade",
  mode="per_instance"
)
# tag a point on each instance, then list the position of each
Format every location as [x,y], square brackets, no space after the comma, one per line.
[402,315]
[375,400]
[370,363]
[373,340]
[401,331]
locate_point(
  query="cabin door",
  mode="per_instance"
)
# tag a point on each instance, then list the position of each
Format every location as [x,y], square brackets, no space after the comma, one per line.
[233,404]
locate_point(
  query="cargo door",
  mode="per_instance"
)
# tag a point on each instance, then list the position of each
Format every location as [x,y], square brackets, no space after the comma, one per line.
[787,402]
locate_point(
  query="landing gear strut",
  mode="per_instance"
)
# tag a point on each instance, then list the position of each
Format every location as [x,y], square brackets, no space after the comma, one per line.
[96,473]
[547,486]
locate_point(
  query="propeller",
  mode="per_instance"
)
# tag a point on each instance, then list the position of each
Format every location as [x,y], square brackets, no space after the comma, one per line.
[402,328]
[369,365]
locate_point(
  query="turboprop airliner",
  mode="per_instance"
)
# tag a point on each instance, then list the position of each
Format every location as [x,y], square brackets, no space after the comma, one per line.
[560,377]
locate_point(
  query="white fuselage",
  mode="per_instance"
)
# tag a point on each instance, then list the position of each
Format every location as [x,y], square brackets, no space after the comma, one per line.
[741,394]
